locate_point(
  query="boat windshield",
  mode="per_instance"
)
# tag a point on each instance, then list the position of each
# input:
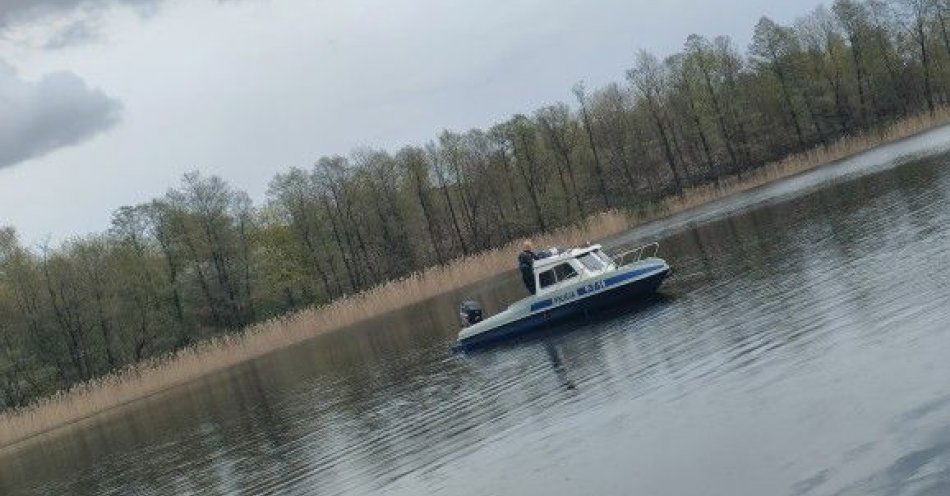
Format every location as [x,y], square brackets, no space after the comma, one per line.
[603,257]
[591,261]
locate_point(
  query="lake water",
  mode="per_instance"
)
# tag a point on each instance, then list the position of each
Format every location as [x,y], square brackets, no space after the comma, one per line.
[802,347]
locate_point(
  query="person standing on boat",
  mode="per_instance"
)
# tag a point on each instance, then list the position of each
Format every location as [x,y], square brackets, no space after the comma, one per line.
[526,264]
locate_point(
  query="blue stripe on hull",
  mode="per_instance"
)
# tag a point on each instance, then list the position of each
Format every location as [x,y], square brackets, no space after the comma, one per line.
[536,321]
[541,305]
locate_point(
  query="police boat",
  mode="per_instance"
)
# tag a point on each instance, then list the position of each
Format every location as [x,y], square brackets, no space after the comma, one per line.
[569,283]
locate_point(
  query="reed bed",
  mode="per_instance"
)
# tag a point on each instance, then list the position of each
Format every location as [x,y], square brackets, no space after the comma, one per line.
[151,377]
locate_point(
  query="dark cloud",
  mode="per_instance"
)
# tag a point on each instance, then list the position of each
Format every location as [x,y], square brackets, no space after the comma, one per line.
[56,111]
[84,15]
[14,11]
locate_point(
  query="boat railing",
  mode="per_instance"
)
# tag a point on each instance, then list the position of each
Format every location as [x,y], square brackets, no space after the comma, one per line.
[636,254]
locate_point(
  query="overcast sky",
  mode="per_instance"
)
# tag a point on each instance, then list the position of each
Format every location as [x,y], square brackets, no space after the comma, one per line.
[107,102]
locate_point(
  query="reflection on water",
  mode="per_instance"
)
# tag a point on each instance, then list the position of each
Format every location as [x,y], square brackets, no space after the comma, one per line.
[800,348]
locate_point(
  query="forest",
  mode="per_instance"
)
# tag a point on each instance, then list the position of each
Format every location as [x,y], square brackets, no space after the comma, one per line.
[204,260]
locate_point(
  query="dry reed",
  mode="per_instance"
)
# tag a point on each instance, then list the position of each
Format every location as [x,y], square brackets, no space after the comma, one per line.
[153,376]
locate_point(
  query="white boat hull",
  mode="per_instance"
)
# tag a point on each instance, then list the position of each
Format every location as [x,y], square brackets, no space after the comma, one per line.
[538,311]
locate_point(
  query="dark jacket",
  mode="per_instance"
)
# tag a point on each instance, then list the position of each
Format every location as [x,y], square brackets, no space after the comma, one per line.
[526,260]
[526,264]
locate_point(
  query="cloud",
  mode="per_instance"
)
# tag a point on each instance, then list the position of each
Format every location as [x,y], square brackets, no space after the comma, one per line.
[16,11]
[63,23]
[75,33]
[58,110]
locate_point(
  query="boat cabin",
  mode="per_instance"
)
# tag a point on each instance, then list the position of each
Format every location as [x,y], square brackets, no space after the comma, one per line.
[555,272]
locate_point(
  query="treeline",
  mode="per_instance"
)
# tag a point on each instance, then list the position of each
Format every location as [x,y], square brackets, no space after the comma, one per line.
[203,260]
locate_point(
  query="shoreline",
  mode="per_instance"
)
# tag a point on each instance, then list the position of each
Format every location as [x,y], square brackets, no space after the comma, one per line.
[153,377]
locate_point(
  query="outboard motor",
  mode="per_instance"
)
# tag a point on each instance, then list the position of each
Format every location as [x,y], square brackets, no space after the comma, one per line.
[470,312]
